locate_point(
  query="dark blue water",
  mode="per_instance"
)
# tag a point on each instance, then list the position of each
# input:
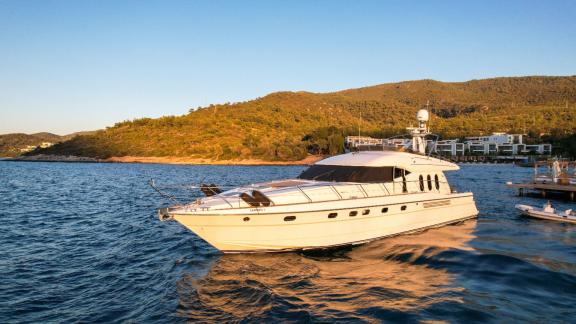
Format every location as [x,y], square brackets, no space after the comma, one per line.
[82,243]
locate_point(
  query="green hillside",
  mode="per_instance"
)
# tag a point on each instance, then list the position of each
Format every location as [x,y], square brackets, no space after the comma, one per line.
[12,144]
[287,125]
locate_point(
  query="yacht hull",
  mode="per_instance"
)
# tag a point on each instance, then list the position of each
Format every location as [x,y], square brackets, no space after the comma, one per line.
[356,222]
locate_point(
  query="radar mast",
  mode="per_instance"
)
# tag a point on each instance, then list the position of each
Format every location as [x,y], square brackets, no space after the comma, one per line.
[419,133]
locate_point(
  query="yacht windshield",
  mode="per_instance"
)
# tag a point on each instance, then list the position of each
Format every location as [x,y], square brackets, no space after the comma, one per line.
[339,173]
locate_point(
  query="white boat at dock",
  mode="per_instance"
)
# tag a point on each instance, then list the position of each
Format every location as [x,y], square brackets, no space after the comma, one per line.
[548,212]
[347,199]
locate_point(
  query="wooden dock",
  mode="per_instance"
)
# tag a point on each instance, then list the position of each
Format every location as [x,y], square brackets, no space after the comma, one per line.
[544,188]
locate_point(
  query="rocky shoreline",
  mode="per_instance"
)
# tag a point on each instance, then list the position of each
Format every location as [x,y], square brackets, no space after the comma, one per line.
[55,158]
[160,160]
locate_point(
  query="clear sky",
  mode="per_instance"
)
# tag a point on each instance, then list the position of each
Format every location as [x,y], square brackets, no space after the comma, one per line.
[73,65]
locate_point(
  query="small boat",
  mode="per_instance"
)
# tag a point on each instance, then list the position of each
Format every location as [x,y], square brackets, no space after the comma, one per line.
[548,212]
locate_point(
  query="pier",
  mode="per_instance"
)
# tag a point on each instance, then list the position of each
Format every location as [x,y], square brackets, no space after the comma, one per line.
[560,178]
[544,189]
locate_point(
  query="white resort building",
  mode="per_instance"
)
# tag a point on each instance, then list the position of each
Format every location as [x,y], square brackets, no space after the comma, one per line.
[504,144]
[30,148]
[449,147]
[495,144]
[355,141]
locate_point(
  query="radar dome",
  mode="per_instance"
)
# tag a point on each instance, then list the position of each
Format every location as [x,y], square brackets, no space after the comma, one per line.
[422,115]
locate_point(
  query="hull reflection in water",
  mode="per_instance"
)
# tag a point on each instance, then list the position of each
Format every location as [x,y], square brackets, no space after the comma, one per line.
[392,279]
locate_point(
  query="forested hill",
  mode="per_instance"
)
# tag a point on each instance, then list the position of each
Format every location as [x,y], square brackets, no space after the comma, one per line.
[12,144]
[286,125]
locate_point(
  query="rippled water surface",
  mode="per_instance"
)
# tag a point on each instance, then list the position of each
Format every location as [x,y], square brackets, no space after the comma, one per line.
[82,242]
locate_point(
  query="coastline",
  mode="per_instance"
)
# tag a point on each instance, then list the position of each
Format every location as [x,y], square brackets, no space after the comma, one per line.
[200,161]
[162,160]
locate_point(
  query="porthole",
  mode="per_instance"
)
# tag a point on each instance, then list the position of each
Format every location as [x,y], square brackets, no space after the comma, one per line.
[289,218]
[332,215]
[429,180]
[353,213]
[421,180]
[384,210]
[437,182]
[366,212]
[246,219]
[403,207]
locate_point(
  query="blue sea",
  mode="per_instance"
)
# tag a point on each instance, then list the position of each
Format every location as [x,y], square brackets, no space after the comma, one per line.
[82,243]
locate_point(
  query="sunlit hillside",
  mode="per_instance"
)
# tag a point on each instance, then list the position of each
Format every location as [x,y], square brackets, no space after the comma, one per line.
[288,125]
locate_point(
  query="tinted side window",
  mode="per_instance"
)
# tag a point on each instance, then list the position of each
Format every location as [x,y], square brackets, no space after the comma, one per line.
[340,173]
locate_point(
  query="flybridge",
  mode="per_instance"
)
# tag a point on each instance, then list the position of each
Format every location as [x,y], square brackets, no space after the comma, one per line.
[417,143]
[398,159]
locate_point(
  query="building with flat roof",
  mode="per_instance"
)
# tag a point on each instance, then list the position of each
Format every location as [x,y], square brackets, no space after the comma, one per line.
[493,145]
[498,138]
[46,144]
[448,147]
[355,141]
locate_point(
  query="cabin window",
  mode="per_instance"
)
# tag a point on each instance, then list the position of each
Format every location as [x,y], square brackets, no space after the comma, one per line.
[403,207]
[421,180]
[332,215]
[384,210]
[353,213]
[366,212]
[437,182]
[429,180]
[246,219]
[289,218]
[401,173]
[340,173]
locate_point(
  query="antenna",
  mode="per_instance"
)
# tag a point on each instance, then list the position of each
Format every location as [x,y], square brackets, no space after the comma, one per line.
[359,124]
[430,119]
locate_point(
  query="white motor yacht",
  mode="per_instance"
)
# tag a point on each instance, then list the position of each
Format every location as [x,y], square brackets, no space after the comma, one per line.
[346,199]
